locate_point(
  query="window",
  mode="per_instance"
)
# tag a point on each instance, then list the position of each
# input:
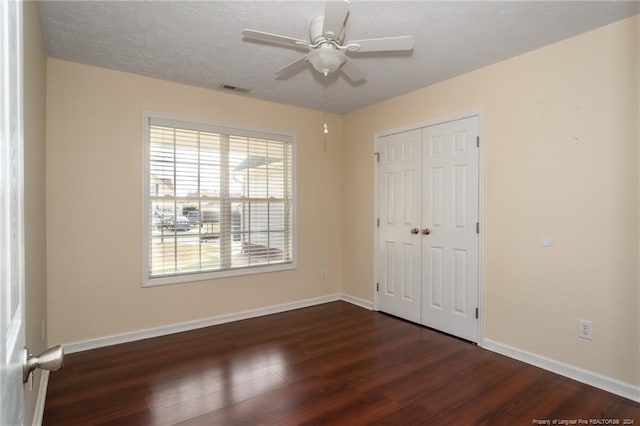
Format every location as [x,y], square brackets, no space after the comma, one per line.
[219,201]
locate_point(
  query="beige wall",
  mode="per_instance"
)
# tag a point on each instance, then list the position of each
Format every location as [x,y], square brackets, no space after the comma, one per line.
[34,186]
[561,158]
[94,205]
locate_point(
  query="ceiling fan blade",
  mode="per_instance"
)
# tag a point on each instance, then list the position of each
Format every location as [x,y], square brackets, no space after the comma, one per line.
[335,16]
[293,68]
[273,38]
[385,44]
[353,72]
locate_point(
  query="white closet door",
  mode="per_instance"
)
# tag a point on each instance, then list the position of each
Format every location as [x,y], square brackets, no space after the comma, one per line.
[399,198]
[450,252]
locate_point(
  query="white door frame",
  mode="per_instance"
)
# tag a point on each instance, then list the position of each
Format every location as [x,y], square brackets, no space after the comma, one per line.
[479,112]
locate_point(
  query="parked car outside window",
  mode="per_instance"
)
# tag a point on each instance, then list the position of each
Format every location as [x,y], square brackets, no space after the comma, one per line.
[179,224]
[194,218]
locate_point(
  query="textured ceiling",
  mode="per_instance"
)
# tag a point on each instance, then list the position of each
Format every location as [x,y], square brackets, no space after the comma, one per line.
[200,43]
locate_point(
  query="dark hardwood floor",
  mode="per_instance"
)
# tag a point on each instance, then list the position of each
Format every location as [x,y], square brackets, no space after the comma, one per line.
[328,364]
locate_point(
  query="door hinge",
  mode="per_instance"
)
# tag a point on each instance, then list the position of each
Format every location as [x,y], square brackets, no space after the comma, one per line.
[478,141]
[377,286]
[476,313]
[378,222]
[377,154]
[477,227]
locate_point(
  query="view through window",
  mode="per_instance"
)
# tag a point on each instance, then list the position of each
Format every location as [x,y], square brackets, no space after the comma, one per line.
[218,199]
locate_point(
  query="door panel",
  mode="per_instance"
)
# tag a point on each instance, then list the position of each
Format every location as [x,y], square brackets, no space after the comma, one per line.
[12,337]
[450,211]
[437,197]
[434,266]
[400,181]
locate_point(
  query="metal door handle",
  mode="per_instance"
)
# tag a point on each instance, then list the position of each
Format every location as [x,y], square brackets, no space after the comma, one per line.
[414,231]
[51,359]
[426,231]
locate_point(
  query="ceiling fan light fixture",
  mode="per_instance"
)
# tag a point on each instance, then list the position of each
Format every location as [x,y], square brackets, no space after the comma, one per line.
[326,59]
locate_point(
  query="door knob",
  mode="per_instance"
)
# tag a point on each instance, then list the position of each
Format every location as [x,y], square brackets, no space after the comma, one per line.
[51,359]
[414,231]
[426,231]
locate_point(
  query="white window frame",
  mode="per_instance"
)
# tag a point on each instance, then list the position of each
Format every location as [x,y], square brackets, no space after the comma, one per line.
[215,127]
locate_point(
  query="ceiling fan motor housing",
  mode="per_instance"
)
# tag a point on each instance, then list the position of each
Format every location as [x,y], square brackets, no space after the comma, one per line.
[316,35]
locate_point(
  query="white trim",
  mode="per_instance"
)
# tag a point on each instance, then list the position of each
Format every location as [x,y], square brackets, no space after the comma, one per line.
[207,125]
[482,221]
[608,384]
[432,122]
[599,381]
[213,126]
[38,412]
[366,304]
[376,218]
[148,333]
[214,275]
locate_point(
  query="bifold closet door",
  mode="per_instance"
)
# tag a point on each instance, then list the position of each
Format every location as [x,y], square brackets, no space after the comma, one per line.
[450,251]
[428,211]
[399,242]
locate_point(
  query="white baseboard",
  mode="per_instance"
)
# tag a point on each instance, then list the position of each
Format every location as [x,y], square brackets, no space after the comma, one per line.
[38,414]
[608,384]
[357,301]
[593,379]
[116,339]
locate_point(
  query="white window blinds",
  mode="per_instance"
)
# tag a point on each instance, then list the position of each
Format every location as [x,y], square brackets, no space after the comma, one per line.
[219,199]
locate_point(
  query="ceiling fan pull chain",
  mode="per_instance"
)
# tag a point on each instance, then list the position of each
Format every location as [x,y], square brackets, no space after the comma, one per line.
[325,128]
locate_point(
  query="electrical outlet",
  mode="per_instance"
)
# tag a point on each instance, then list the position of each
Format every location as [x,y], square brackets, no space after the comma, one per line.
[585,329]
[323,274]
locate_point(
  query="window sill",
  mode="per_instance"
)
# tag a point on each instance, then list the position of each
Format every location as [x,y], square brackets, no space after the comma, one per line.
[214,275]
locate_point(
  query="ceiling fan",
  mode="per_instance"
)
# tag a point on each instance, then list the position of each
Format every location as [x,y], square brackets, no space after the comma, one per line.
[327,49]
